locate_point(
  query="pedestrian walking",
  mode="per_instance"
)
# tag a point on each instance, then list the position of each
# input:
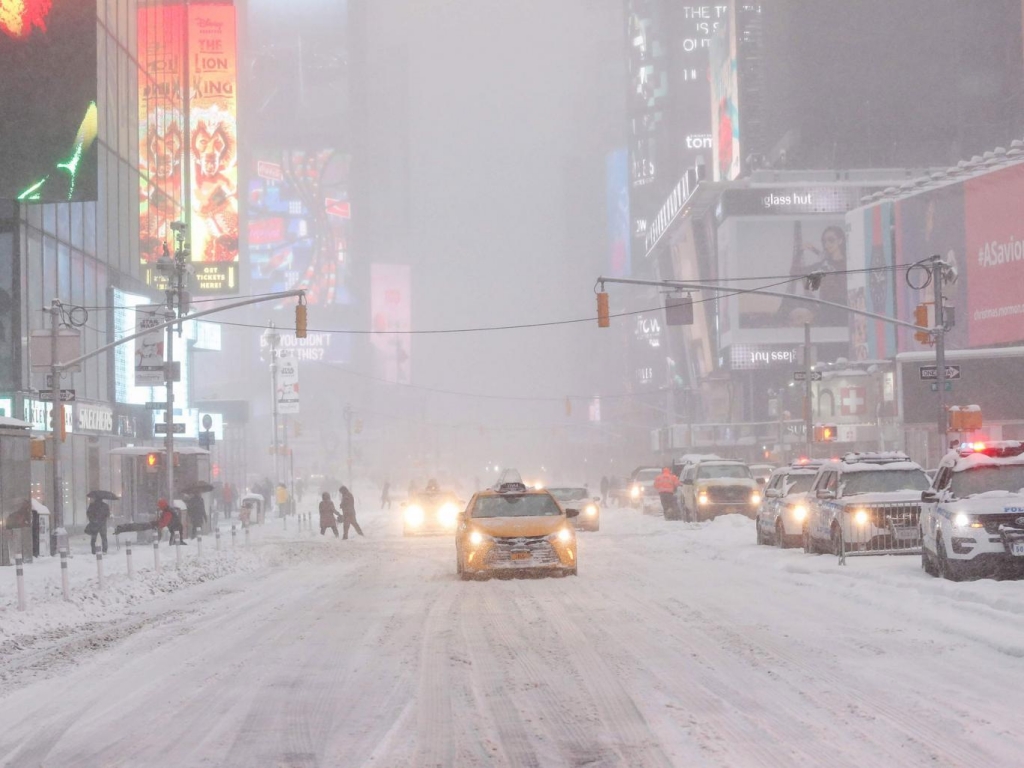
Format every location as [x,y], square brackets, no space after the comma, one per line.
[666,484]
[329,516]
[300,489]
[604,489]
[348,512]
[98,513]
[282,500]
[385,495]
[196,508]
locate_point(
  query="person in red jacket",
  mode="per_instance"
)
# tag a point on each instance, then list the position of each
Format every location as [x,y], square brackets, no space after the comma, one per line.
[169,518]
[665,484]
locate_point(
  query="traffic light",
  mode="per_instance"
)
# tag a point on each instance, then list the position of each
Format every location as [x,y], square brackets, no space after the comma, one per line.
[921,320]
[825,433]
[300,321]
[152,462]
[603,318]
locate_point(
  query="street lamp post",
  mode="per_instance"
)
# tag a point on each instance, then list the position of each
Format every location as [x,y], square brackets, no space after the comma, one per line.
[273,338]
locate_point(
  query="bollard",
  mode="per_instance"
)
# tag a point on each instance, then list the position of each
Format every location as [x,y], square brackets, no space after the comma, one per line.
[285,521]
[99,569]
[177,554]
[156,556]
[21,582]
[216,539]
[199,546]
[246,538]
[128,554]
[64,575]
[233,535]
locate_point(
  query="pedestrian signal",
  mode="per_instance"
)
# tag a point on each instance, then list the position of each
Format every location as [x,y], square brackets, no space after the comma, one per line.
[825,433]
[603,318]
[152,462]
[300,321]
[921,320]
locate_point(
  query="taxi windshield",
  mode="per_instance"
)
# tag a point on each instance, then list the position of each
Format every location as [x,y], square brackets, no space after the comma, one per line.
[569,494]
[711,471]
[885,481]
[1005,477]
[516,505]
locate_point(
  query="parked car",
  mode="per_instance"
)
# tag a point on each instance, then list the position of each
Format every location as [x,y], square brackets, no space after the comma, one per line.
[780,518]
[712,487]
[865,502]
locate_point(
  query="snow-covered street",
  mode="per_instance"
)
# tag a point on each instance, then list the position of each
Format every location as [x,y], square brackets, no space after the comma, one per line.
[676,645]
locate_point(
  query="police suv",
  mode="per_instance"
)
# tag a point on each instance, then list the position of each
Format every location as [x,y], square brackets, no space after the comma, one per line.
[780,518]
[972,521]
[866,503]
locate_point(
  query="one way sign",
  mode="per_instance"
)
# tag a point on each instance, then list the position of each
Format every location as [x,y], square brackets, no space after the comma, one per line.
[931,372]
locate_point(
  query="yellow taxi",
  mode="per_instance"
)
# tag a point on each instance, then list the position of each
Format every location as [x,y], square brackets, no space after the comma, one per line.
[513,528]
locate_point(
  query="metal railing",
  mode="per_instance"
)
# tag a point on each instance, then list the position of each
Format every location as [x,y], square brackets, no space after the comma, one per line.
[881,529]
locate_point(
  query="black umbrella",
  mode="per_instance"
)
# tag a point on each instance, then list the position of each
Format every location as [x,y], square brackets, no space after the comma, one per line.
[103,495]
[199,488]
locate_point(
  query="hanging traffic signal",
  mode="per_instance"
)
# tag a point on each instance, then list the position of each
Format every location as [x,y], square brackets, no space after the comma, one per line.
[921,320]
[603,318]
[300,321]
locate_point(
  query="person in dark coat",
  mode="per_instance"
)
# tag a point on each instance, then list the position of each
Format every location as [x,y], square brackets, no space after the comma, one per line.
[348,512]
[196,513]
[329,516]
[98,513]
[385,495]
[604,490]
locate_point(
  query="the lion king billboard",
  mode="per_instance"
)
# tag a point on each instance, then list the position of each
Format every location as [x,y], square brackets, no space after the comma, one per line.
[193,54]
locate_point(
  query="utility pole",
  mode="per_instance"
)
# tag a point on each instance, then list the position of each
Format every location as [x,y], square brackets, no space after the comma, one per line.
[173,268]
[273,338]
[57,416]
[938,272]
[348,430]
[808,415]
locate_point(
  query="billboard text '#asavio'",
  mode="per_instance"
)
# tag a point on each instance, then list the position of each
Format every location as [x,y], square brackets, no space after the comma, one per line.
[191,53]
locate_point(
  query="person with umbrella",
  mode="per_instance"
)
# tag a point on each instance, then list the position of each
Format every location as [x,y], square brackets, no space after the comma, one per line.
[196,513]
[98,513]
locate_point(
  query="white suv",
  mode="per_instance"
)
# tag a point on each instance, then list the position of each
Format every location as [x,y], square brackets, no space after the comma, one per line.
[780,518]
[972,520]
[866,503]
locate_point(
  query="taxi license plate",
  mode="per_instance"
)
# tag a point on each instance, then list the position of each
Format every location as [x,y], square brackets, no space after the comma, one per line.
[527,555]
[1017,548]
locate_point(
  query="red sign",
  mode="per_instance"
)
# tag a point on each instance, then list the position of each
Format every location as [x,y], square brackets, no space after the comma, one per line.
[266,231]
[269,171]
[853,401]
[995,257]
[339,208]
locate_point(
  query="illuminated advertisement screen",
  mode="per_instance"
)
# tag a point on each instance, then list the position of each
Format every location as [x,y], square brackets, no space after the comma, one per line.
[695,24]
[725,119]
[617,190]
[199,48]
[870,286]
[48,97]
[391,319]
[299,224]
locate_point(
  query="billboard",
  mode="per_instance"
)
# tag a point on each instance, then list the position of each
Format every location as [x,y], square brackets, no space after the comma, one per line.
[198,45]
[287,382]
[619,239]
[792,246]
[299,224]
[725,121]
[992,270]
[48,92]
[871,262]
[694,27]
[391,320]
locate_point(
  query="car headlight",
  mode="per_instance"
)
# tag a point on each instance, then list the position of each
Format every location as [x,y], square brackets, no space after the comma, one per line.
[476,538]
[755,498]
[564,535]
[702,497]
[590,510]
[860,517]
[448,514]
[800,513]
[960,520]
[414,515]
[635,491]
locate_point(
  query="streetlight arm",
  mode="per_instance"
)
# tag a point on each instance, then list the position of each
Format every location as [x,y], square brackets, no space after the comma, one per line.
[681,286]
[175,321]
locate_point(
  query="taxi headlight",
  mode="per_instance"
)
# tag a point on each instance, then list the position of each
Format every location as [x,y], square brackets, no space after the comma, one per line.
[448,514]
[414,515]
[702,498]
[755,498]
[634,492]
[564,535]
[799,513]
[590,510]
[860,517]
[476,538]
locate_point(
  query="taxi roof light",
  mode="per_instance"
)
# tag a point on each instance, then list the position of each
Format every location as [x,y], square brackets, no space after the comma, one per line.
[510,481]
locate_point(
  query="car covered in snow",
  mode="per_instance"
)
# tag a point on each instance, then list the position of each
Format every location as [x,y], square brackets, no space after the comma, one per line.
[513,528]
[972,520]
[578,497]
[712,487]
[866,503]
[780,518]
[642,493]
[431,511]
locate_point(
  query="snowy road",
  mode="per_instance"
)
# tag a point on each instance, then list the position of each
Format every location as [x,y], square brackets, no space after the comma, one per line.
[675,646]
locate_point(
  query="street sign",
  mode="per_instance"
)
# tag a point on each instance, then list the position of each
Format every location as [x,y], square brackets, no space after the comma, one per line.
[152,406]
[931,373]
[802,375]
[948,387]
[66,395]
[161,428]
